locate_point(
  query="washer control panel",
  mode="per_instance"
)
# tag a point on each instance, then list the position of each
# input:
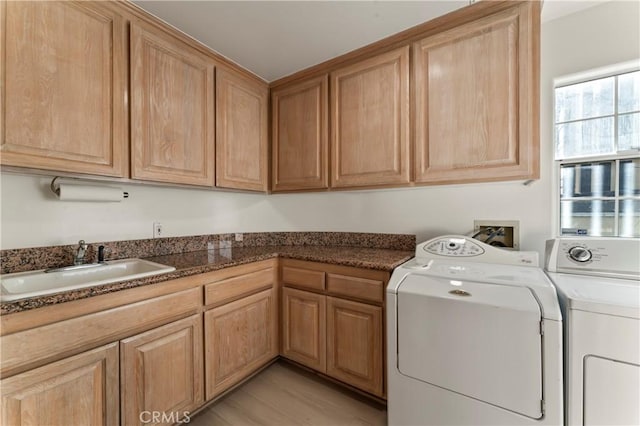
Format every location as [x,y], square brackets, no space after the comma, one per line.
[454,247]
[466,248]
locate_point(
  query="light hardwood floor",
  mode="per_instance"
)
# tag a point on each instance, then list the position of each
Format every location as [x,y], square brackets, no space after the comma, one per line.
[284,395]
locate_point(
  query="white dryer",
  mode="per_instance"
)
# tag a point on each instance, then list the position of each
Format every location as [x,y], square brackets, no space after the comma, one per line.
[474,337]
[598,282]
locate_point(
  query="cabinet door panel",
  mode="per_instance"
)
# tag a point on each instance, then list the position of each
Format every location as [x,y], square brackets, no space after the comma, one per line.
[370,121]
[79,390]
[476,100]
[63,87]
[162,371]
[172,109]
[241,132]
[300,135]
[354,344]
[303,328]
[240,337]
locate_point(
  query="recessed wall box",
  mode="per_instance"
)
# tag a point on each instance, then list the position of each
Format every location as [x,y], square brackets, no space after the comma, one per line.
[499,233]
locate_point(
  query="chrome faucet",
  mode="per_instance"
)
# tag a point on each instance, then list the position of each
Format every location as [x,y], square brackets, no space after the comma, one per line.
[82,250]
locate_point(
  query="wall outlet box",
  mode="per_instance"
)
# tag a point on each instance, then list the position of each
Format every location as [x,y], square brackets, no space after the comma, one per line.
[157,230]
[498,233]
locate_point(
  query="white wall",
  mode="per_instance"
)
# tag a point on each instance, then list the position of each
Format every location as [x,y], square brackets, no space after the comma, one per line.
[30,216]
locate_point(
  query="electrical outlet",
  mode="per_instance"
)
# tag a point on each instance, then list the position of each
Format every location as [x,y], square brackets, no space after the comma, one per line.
[238,237]
[157,230]
[498,233]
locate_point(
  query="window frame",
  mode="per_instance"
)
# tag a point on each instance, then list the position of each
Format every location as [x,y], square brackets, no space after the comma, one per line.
[616,198]
[594,74]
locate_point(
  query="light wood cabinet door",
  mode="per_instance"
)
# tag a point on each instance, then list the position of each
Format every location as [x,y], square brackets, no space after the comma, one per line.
[162,372]
[63,89]
[477,100]
[370,122]
[172,109]
[80,390]
[354,344]
[300,135]
[240,337]
[241,132]
[303,328]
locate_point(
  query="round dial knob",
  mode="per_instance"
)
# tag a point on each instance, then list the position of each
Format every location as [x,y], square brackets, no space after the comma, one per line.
[453,246]
[580,254]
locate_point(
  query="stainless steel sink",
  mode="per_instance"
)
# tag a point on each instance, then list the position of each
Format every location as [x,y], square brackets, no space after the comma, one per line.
[38,283]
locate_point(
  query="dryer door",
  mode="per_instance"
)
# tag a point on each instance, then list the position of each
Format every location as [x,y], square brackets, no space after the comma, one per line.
[479,340]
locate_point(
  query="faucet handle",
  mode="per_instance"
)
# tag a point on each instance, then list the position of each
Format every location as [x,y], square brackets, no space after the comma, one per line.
[82,244]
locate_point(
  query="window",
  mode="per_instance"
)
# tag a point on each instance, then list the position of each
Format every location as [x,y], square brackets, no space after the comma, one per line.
[597,140]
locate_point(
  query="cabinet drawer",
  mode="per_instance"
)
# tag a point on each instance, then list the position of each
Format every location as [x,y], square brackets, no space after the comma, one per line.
[358,288]
[233,288]
[303,278]
[37,346]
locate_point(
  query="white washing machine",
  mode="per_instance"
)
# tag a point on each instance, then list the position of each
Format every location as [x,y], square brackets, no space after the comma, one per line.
[474,337]
[598,282]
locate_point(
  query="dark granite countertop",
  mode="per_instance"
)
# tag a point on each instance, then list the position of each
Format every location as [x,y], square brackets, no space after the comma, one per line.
[197,262]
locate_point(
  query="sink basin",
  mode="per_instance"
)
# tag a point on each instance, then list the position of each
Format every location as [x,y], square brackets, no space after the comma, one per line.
[37,283]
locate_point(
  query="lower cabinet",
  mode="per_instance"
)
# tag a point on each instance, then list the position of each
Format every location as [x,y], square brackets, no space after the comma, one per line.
[79,390]
[240,337]
[303,328]
[162,373]
[338,336]
[354,344]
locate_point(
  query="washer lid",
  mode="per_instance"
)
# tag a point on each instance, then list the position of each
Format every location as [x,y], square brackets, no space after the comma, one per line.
[480,340]
[506,275]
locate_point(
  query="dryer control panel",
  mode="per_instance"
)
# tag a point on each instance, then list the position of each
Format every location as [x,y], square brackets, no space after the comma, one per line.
[460,246]
[613,257]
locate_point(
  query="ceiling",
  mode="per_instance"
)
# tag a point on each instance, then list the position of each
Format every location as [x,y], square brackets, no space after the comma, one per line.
[276,38]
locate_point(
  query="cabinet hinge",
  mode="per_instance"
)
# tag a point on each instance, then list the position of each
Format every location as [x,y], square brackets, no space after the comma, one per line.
[542,327]
[542,406]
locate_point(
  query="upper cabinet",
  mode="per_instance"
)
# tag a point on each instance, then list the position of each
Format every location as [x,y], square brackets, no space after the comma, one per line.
[469,112]
[300,135]
[370,121]
[242,138]
[63,90]
[453,100]
[476,102]
[172,109]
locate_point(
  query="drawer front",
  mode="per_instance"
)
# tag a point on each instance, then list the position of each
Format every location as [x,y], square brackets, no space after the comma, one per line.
[38,346]
[303,278]
[233,288]
[357,288]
